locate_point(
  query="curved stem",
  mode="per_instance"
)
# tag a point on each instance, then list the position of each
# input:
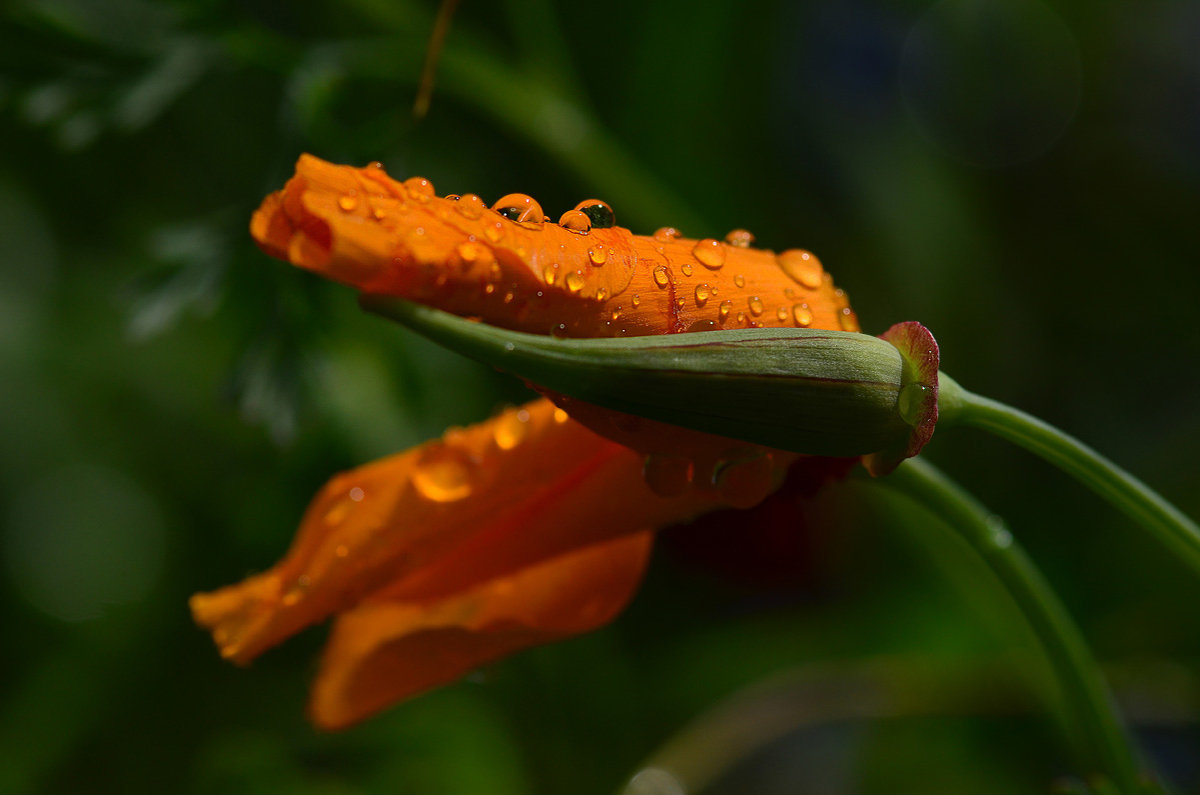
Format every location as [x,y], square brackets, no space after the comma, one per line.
[1109,481]
[1091,715]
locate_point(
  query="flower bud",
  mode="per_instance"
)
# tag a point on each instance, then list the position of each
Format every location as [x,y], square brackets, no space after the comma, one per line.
[810,391]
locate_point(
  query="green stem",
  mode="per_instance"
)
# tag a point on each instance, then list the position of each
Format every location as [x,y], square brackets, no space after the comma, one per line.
[1121,489]
[1091,715]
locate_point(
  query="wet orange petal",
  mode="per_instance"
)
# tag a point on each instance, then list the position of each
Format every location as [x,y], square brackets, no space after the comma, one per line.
[480,503]
[360,227]
[384,651]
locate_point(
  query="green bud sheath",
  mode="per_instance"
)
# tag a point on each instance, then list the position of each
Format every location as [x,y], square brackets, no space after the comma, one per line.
[827,393]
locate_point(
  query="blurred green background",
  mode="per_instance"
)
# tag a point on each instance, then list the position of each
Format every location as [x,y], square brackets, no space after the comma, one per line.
[1022,177]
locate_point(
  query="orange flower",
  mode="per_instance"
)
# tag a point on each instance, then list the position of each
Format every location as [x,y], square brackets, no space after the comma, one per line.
[535,525]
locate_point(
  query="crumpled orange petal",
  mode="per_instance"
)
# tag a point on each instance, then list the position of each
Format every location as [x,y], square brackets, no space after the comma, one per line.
[387,650]
[363,228]
[440,519]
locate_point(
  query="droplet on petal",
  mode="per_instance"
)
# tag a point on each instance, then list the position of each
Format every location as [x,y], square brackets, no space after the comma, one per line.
[601,215]
[756,306]
[574,281]
[419,188]
[511,428]
[724,309]
[521,208]
[348,202]
[470,206]
[740,238]
[561,416]
[494,232]
[597,255]
[686,268]
[802,267]
[739,280]
[550,273]
[661,277]
[468,251]
[781,313]
[802,315]
[847,319]
[575,221]
[703,293]
[665,233]
[745,482]
[710,253]
[668,475]
[443,473]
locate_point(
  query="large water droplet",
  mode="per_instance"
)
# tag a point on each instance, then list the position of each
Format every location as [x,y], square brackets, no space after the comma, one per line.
[911,402]
[802,267]
[575,221]
[443,473]
[661,277]
[686,268]
[550,273]
[470,206]
[745,482]
[600,214]
[574,281]
[710,253]
[668,475]
[802,315]
[521,208]
[597,255]
[511,428]
[419,188]
[703,293]
[756,305]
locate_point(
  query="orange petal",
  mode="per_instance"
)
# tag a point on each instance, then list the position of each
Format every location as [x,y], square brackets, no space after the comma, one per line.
[385,651]
[480,503]
[360,227]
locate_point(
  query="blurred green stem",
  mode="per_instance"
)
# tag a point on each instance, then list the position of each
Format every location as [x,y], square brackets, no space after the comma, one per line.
[1109,481]
[1090,712]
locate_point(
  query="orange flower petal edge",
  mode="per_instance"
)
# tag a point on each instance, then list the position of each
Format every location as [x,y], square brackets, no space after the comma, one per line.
[512,267]
[386,650]
[443,518]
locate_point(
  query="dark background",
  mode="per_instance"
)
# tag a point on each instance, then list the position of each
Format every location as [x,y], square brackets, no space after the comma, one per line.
[1022,177]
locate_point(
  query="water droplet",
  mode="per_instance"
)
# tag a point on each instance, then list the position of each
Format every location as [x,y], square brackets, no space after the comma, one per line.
[847,319]
[756,305]
[494,232]
[378,214]
[740,238]
[600,214]
[511,428]
[550,273]
[802,315]
[744,483]
[724,309]
[781,313]
[470,206]
[347,202]
[468,251]
[661,277]
[665,233]
[597,255]
[443,473]
[679,303]
[710,253]
[521,208]
[911,402]
[668,475]
[1002,537]
[509,296]
[739,280]
[616,313]
[637,299]
[375,164]
[561,416]
[357,494]
[802,267]
[741,317]
[419,188]
[574,281]
[575,221]
[703,293]
[686,268]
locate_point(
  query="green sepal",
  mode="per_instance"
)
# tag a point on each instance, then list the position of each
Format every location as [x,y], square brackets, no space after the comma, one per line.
[811,391]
